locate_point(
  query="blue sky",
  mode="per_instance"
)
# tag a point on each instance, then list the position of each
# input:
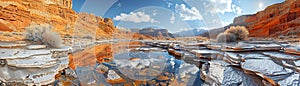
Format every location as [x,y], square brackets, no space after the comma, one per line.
[174,15]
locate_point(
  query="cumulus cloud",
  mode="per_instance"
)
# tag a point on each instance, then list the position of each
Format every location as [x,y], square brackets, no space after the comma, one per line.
[188,13]
[172,19]
[136,17]
[222,6]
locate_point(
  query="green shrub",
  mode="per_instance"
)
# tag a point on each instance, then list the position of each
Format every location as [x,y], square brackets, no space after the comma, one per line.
[42,34]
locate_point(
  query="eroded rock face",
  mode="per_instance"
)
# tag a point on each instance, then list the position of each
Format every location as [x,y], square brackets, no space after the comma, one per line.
[15,15]
[278,19]
[20,14]
[87,24]
[31,67]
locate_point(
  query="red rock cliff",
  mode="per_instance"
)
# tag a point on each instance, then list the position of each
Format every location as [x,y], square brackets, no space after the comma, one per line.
[278,19]
[15,15]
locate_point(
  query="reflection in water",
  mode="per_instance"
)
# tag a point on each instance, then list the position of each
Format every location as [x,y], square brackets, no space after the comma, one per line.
[132,64]
[96,66]
[141,65]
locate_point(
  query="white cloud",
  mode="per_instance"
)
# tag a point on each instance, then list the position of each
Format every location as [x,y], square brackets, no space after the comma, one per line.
[169,4]
[236,9]
[222,6]
[172,19]
[136,17]
[225,23]
[188,14]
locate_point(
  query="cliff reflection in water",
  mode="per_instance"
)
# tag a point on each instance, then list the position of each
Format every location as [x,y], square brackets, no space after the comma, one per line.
[131,64]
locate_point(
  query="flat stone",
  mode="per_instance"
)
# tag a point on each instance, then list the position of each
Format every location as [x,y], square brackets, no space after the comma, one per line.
[232,77]
[62,49]
[205,51]
[268,68]
[214,46]
[42,61]
[254,55]
[267,47]
[294,49]
[35,47]
[208,54]
[281,55]
[292,80]
[11,45]
[238,47]
[45,78]
[21,53]
[234,58]
[215,72]
[259,42]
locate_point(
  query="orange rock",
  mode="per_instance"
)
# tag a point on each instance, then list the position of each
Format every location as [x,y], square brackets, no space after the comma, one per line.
[278,19]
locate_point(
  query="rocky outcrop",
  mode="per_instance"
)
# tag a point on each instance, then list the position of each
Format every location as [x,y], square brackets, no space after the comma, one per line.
[278,19]
[30,66]
[160,33]
[94,26]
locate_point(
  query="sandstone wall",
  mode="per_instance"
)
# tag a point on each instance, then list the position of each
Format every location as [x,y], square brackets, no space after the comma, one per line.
[278,19]
[15,15]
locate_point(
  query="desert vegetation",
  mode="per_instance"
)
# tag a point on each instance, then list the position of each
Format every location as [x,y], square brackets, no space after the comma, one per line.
[43,34]
[226,37]
[233,34]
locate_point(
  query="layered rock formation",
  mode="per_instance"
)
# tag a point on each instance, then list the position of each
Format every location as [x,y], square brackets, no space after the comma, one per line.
[15,15]
[87,24]
[278,19]
[160,33]
[24,64]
